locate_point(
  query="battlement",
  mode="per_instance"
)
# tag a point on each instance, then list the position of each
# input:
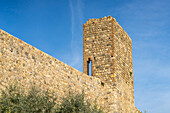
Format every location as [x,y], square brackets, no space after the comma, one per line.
[111,85]
[93,20]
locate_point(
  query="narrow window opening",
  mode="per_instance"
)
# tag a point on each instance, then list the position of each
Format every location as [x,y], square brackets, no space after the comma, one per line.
[102,83]
[89,67]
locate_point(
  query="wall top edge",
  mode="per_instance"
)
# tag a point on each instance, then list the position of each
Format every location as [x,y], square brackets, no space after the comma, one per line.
[30,46]
[109,18]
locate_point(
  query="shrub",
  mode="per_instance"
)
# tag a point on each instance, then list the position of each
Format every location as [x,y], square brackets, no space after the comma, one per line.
[76,104]
[15,100]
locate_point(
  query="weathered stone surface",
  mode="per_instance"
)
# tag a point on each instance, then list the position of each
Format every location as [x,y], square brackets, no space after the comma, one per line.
[109,48]
[105,43]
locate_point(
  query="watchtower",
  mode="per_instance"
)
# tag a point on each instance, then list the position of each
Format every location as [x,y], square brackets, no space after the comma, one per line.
[109,48]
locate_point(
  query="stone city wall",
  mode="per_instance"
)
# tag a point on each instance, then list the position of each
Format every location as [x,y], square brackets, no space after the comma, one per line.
[26,64]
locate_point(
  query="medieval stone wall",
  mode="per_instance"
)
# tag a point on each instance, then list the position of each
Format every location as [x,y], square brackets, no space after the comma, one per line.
[109,48]
[123,65]
[26,64]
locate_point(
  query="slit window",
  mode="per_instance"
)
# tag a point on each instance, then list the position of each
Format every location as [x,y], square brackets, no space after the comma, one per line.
[89,67]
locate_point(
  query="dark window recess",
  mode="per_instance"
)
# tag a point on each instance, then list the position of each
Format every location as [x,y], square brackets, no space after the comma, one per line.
[130,73]
[102,83]
[89,67]
[108,44]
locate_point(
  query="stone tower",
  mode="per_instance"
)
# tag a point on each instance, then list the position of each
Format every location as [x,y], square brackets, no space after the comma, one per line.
[105,44]
[109,48]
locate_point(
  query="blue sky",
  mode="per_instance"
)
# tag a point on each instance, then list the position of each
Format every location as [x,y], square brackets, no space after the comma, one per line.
[56,27]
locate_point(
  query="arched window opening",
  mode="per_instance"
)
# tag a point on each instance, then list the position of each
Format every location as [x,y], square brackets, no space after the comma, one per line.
[89,67]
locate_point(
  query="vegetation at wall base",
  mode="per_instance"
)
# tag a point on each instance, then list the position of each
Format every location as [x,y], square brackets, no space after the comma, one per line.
[14,100]
[75,103]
